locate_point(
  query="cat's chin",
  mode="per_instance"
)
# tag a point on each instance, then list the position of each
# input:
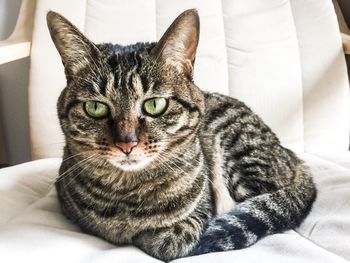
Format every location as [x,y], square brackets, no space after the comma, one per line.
[129,165]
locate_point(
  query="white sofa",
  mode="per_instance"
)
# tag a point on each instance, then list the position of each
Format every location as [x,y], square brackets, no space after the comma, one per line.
[284,58]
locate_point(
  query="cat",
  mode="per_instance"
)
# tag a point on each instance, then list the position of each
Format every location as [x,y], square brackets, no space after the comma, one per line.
[152,160]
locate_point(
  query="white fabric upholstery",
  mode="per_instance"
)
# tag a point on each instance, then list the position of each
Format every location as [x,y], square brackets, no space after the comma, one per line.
[325,82]
[283,58]
[32,228]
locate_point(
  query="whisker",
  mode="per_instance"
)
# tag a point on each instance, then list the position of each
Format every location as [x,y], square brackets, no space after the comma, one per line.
[73,168]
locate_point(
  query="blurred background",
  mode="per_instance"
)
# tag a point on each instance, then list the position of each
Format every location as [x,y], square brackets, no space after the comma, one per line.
[14,125]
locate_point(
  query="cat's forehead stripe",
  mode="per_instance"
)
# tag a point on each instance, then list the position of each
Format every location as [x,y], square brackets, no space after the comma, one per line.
[144,82]
[103,85]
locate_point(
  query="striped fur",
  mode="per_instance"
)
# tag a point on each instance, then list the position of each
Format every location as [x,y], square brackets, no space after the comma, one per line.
[207,175]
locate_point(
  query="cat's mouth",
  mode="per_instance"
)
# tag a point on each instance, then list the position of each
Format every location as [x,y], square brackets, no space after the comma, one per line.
[129,163]
[136,159]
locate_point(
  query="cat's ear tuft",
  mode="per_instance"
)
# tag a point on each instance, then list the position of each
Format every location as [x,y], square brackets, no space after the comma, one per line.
[75,49]
[178,45]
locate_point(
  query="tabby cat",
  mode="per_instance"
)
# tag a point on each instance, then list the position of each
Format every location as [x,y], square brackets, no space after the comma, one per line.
[152,160]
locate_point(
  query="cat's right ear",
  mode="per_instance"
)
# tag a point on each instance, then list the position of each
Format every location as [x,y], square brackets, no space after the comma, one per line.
[178,45]
[75,49]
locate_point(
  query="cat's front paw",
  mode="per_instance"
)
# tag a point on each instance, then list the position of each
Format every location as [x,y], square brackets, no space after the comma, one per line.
[166,244]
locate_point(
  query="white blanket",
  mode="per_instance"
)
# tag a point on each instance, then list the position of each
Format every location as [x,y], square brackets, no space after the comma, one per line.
[32,228]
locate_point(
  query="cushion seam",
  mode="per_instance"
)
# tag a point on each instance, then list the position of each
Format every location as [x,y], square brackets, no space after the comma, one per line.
[328,161]
[319,246]
[301,76]
[28,206]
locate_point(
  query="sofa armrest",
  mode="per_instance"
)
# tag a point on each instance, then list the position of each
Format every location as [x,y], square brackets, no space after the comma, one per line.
[18,44]
[346,43]
[13,50]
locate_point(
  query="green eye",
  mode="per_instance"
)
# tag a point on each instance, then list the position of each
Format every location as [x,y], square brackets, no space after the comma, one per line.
[155,107]
[96,109]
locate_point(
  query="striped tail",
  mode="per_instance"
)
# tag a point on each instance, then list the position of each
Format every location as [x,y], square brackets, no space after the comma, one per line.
[259,216]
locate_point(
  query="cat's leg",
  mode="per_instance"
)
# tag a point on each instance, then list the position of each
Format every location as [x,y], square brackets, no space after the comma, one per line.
[171,242]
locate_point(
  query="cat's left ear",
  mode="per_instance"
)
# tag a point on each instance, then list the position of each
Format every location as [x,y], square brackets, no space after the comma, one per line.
[178,45]
[75,49]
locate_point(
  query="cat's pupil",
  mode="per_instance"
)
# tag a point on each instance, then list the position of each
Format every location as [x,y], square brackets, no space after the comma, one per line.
[95,106]
[154,104]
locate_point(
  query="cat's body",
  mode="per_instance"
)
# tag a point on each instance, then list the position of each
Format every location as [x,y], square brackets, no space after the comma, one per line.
[204,175]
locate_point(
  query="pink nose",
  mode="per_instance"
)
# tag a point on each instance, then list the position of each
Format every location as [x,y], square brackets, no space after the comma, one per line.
[126,147]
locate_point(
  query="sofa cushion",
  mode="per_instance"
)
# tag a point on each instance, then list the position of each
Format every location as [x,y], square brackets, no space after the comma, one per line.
[33,229]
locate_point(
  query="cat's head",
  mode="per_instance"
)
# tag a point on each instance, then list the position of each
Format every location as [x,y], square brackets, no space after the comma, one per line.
[129,105]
